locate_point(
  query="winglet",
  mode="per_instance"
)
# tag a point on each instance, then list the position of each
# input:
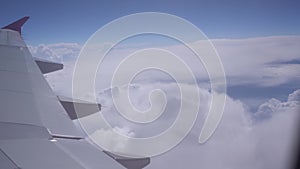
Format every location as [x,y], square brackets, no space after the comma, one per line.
[17,25]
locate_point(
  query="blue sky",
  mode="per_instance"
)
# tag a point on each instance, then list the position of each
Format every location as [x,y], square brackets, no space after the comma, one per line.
[76,20]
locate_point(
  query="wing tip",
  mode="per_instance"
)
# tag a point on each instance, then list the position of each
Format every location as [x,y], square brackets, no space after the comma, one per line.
[17,25]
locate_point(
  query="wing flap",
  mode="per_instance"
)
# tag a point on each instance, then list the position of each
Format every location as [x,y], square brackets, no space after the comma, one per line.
[130,163]
[48,66]
[78,108]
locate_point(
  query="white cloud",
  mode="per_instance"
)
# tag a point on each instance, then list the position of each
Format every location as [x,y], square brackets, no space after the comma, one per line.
[240,142]
[256,61]
[294,97]
[139,97]
[259,61]
[115,142]
[57,52]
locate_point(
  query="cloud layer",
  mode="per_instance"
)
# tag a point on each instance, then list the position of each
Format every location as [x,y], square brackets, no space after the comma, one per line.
[267,61]
[264,139]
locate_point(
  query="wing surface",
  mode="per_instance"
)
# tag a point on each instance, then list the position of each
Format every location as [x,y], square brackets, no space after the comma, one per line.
[35,130]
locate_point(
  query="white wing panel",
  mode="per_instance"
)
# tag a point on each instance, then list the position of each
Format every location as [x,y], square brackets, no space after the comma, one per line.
[10,59]
[15,81]
[6,162]
[25,95]
[38,154]
[18,107]
[93,158]
[54,117]
[11,38]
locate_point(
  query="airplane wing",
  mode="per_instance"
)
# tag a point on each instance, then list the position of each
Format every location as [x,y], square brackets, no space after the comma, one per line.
[35,129]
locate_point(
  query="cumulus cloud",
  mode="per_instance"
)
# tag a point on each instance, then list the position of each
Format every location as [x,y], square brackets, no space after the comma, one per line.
[294,97]
[57,52]
[139,97]
[273,106]
[115,142]
[240,142]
